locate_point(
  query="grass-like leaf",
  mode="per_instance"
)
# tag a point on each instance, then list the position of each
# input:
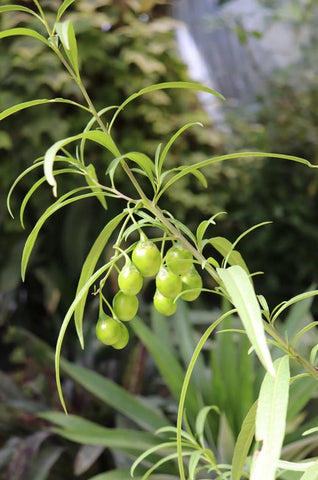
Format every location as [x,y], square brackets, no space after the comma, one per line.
[92,180]
[95,135]
[24,32]
[86,432]
[162,86]
[88,269]
[243,443]
[238,285]
[19,8]
[62,202]
[225,248]
[32,103]
[65,31]
[107,391]
[166,362]
[290,302]
[271,421]
[62,8]
[185,170]
[123,474]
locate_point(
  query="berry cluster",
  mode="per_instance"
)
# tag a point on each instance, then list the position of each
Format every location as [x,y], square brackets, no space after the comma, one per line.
[175,276]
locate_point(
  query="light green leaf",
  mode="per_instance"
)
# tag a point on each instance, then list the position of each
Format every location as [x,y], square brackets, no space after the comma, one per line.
[21,106]
[95,135]
[271,421]
[92,180]
[185,170]
[293,300]
[225,248]
[240,289]
[201,420]
[13,32]
[202,228]
[297,466]
[144,162]
[88,269]
[62,8]
[165,151]
[148,452]
[311,473]
[243,443]
[193,463]
[162,86]
[62,202]
[19,8]
[65,31]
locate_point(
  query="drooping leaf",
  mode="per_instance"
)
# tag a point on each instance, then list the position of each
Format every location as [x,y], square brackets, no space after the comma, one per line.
[238,286]
[62,8]
[271,421]
[162,86]
[65,31]
[88,269]
[225,248]
[92,180]
[28,32]
[86,432]
[243,443]
[186,170]
[19,8]
[62,202]
[95,135]
[32,103]
[293,300]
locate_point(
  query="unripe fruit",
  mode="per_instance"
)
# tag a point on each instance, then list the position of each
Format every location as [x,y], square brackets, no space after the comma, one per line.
[146,257]
[125,306]
[107,330]
[179,259]
[163,304]
[123,339]
[130,280]
[168,283]
[191,280]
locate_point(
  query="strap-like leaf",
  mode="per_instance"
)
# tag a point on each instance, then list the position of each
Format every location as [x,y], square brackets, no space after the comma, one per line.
[13,32]
[21,106]
[271,421]
[65,31]
[62,8]
[88,269]
[238,286]
[95,135]
[243,443]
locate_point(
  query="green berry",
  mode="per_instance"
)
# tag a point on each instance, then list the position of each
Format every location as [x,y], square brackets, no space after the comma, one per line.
[107,330]
[191,280]
[179,259]
[146,257]
[124,338]
[125,306]
[168,283]
[130,280]
[164,305]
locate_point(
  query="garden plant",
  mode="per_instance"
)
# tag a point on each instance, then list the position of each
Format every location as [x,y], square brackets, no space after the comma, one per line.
[149,244]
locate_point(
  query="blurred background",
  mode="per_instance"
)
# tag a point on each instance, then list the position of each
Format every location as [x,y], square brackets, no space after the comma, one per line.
[262,56]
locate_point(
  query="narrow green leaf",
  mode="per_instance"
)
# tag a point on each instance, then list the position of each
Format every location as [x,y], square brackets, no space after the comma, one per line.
[19,8]
[202,228]
[311,473]
[131,406]
[62,8]
[62,202]
[271,421]
[162,86]
[144,162]
[185,170]
[293,300]
[21,106]
[225,248]
[243,443]
[13,32]
[241,292]
[92,180]
[86,432]
[148,452]
[65,31]
[165,151]
[201,421]
[36,185]
[123,474]
[298,466]
[193,463]
[95,135]
[166,362]
[88,269]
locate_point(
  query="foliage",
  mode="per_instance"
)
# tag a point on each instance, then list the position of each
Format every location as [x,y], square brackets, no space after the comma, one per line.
[150,178]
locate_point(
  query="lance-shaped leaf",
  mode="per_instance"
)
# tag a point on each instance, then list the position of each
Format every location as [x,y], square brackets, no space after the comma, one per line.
[238,286]
[65,31]
[271,421]
[243,443]
[95,135]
